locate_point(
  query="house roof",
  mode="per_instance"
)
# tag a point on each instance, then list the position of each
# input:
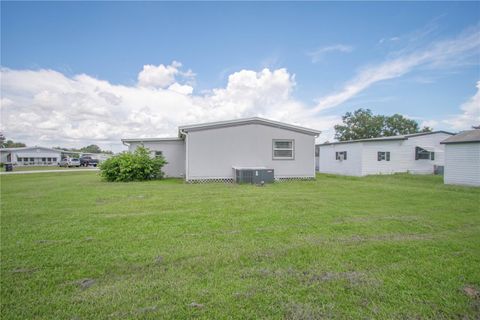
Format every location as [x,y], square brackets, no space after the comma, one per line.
[245,121]
[391,138]
[151,139]
[29,148]
[464,137]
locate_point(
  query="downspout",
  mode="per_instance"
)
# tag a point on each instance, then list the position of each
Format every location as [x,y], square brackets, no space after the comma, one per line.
[184,133]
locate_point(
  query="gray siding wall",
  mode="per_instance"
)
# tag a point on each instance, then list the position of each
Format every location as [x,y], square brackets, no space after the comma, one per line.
[173,151]
[462,164]
[350,167]
[212,153]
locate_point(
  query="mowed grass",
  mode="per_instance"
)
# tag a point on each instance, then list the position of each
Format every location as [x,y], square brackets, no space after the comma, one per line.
[396,247]
[32,168]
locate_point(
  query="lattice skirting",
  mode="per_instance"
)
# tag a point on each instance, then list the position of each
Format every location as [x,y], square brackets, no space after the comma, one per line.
[288,179]
[231,180]
[211,180]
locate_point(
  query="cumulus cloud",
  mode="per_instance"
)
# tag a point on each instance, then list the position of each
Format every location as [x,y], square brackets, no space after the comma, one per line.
[445,53]
[49,108]
[320,53]
[470,115]
[161,76]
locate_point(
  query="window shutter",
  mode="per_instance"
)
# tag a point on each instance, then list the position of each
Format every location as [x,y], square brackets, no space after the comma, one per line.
[388,156]
[336,155]
[344,155]
[432,155]
[379,156]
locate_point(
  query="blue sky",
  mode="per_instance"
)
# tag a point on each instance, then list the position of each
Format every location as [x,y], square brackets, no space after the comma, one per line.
[418,59]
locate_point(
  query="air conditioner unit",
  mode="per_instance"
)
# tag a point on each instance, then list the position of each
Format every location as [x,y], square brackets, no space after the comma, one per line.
[253,175]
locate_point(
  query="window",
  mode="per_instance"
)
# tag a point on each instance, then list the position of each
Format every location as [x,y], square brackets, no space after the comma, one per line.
[317,151]
[383,156]
[25,159]
[422,154]
[158,154]
[49,159]
[32,159]
[341,155]
[283,149]
[54,159]
[44,159]
[19,159]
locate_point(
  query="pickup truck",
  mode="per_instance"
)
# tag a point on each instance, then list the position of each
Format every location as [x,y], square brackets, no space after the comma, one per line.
[88,161]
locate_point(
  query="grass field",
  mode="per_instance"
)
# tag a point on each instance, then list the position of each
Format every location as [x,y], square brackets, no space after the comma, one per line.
[396,247]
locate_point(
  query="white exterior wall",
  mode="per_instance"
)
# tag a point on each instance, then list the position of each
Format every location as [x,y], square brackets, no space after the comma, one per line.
[173,151]
[462,164]
[350,167]
[399,157]
[362,157]
[424,166]
[211,153]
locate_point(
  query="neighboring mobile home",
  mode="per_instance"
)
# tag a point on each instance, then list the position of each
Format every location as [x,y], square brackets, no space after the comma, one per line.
[30,156]
[415,153]
[211,151]
[462,158]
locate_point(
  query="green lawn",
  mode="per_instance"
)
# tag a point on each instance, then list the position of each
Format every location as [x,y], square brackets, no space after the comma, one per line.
[396,247]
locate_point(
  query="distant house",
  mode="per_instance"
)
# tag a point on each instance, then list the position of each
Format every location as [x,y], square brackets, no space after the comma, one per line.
[30,156]
[462,158]
[414,153]
[211,151]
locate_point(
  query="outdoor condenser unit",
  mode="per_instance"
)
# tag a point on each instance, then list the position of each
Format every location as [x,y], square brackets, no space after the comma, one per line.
[254,175]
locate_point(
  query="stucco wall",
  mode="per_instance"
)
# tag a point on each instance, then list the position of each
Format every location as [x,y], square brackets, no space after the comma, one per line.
[173,151]
[212,153]
[462,164]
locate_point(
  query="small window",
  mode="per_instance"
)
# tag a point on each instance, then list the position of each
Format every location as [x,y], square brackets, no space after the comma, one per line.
[341,155]
[32,159]
[158,154]
[422,154]
[19,159]
[54,159]
[25,159]
[44,159]
[383,156]
[283,149]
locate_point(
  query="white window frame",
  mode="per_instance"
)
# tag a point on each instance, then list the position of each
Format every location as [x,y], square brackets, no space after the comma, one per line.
[274,148]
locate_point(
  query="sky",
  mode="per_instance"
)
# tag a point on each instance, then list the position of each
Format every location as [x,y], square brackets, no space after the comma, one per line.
[80,73]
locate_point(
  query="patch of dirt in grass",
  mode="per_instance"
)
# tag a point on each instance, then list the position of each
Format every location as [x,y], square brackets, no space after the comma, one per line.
[24,270]
[159,260]
[85,283]
[472,292]
[303,311]
[196,305]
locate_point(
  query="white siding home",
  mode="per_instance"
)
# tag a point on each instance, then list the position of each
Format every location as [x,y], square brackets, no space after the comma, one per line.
[462,158]
[414,153]
[209,151]
[30,156]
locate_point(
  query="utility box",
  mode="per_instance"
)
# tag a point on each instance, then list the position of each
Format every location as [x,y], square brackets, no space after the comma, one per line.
[253,175]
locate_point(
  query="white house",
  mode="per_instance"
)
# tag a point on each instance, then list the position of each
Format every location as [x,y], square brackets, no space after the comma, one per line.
[30,156]
[414,153]
[210,151]
[462,158]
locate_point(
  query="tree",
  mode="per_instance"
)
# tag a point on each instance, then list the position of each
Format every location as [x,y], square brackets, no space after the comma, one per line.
[363,124]
[93,148]
[10,143]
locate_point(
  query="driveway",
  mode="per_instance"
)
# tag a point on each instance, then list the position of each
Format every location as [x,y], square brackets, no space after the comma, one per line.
[48,171]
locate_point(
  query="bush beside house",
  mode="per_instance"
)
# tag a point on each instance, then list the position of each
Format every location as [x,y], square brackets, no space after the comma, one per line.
[136,166]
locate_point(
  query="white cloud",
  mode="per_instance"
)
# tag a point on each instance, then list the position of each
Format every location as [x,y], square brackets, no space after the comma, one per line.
[429,123]
[470,115]
[439,54]
[320,53]
[49,108]
[161,76]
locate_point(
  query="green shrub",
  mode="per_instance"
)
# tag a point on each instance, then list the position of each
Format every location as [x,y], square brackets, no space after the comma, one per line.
[137,166]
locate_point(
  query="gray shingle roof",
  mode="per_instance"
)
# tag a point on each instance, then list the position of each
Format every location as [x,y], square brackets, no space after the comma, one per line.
[464,137]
